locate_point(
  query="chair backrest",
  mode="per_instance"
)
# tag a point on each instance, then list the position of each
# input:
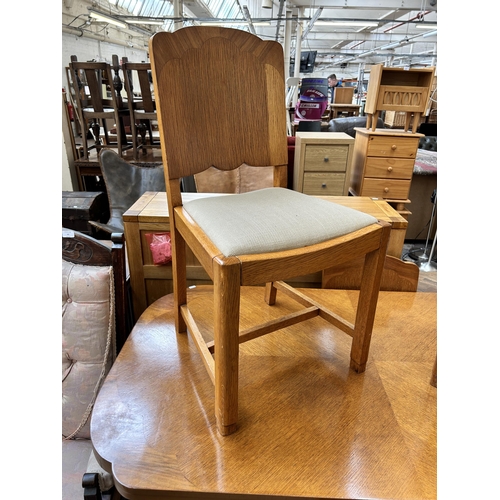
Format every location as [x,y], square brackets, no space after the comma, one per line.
[343,95]
[90,81]
[126,183]
[94,324]
[220,97]
[143,99]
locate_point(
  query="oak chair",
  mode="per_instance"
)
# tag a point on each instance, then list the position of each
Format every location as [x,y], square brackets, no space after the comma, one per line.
[141,104]
[97,103]
[254,238]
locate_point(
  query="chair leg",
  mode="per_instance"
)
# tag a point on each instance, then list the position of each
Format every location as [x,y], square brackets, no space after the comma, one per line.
[179,274]
[270,294]
[367,303]
[226,343]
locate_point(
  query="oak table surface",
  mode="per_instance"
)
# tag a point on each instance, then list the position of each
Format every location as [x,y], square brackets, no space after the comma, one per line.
[308,425]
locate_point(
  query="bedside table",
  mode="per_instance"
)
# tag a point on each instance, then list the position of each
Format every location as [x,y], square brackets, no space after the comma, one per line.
[322,165]
[382,165]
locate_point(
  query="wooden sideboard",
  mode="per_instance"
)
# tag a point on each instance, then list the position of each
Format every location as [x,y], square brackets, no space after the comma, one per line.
[149,214]
[322,163]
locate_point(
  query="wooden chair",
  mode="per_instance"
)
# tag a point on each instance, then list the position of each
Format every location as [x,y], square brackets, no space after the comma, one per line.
[255,238]
[97,102]
[141,104]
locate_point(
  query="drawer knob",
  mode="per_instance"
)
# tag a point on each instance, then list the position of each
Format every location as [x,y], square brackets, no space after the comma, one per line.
[323,185]
[386,190]
[393,147]
[389,169]
[326,158]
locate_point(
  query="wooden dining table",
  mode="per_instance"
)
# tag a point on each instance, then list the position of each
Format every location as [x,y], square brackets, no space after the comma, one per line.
[310,427]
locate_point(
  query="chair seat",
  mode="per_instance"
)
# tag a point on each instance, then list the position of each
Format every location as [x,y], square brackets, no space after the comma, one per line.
[272,220]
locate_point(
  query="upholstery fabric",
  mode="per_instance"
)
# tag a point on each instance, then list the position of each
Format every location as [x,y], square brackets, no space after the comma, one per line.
[77,459]
[126,183]
[88,341]
[348,124]
[428,142]
[272,219]
[240,180]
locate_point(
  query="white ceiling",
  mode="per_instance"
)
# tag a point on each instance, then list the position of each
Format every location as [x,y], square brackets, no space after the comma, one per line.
[395,41]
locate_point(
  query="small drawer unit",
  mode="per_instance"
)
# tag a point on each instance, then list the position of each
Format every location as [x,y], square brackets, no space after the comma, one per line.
[322,164]
[382,165]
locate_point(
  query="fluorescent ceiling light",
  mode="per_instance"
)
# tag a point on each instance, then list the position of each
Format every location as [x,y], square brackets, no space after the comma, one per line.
[144,21]
[426,26]
[346,23]
[224,23]
[106,19]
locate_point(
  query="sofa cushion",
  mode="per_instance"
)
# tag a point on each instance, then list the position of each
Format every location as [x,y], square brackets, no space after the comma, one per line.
[88,342]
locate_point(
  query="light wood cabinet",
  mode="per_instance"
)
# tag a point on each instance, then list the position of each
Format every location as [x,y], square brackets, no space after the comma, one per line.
[398,89]
[382,165]
[322,163]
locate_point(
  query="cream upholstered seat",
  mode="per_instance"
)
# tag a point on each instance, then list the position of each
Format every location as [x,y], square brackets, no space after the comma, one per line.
[255,238]
[272,220]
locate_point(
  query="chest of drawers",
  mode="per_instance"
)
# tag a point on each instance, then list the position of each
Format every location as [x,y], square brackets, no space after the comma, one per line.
[382,165]
[322,163]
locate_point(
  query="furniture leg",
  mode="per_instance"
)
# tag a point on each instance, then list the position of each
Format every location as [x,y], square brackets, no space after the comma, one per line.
[368,120]
[96,132]
[416,120]
[375,119]
[367,303]
[142,130]
[179,274]
[270,294]
[226,343]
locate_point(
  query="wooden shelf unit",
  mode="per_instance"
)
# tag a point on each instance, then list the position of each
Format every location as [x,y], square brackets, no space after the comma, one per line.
[398,89]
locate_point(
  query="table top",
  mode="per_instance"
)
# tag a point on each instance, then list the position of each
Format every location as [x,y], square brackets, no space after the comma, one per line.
[153,207]
[308,426]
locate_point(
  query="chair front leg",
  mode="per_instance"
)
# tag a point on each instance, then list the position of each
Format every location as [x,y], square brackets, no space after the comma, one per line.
[226,343]
[367,303]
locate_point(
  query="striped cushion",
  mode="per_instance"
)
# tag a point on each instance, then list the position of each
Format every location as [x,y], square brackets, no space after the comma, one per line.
[271,220]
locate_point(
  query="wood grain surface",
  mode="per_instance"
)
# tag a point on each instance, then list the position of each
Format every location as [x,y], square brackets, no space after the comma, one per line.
[309,426]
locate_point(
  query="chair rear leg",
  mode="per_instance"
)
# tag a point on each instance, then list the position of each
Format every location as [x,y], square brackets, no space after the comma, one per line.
[179,279]
[270,294]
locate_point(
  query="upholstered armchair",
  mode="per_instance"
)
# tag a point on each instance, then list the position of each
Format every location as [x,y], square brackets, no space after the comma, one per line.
[93,302]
